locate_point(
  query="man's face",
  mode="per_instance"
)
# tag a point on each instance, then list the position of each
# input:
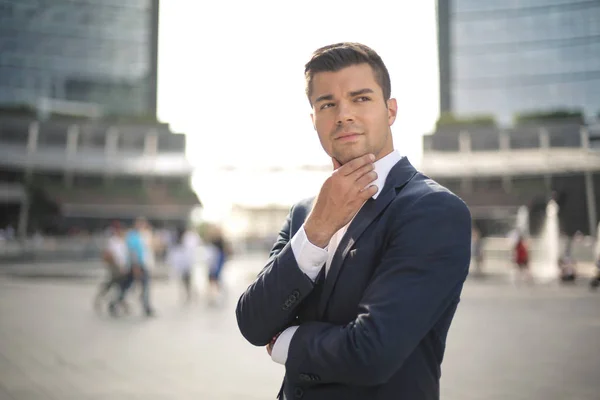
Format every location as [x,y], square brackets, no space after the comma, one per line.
[350,114]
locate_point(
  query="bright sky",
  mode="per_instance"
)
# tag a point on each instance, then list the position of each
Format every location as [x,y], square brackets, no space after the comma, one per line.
[231,76]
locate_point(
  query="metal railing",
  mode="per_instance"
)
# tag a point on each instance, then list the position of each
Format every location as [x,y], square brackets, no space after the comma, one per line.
[48,248]
[496,139]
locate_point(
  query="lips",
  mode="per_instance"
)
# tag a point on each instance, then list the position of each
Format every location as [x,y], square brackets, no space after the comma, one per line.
[347,135]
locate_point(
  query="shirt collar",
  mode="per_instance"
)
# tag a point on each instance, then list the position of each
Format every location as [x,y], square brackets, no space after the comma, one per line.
[383,167]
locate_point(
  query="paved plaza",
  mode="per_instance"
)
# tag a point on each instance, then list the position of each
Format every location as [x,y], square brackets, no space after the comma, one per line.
[506,343]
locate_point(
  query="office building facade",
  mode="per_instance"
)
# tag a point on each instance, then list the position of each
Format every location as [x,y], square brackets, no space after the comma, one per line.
[502,59]
[505,57]
[98,55]
[80,145]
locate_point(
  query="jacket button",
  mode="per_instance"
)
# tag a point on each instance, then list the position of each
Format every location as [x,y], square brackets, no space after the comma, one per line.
[296,293]
[298,393]
[304,377]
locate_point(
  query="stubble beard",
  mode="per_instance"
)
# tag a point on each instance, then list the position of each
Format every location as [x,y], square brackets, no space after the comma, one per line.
[349,153]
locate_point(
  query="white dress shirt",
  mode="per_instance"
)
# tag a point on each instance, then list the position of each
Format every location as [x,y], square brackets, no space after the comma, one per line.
[310,258]
[118,250]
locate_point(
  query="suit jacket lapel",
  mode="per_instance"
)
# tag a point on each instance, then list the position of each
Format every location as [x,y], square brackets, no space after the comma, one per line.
[401,173]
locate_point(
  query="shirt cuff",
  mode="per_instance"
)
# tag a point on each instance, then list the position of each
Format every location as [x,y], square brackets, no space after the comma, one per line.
[279,352]
[309,257]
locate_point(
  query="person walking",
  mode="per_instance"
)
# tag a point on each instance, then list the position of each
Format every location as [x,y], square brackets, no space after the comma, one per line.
[181,257]
[138,270]
[115,259]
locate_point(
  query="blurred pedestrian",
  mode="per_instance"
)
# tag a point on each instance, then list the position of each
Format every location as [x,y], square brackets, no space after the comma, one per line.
[477,251]
[567,269]
[115,259]
[595,282]
[220,251]
[521,259]
[567,266]
[9,233]
[150,244]
[138,269]
[181,257]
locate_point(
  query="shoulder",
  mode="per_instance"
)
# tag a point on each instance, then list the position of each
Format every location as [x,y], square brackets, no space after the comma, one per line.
[305,203]
[425,194]
[302,208]
[427,219]
[297,215]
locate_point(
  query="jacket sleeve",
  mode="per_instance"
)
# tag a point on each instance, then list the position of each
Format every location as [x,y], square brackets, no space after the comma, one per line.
[420,276]
[268,305]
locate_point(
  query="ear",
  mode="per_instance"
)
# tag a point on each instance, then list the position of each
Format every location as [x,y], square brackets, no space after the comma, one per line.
[312,118]
[392,107]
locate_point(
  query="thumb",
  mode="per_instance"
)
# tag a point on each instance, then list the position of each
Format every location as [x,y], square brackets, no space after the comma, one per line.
[336,163]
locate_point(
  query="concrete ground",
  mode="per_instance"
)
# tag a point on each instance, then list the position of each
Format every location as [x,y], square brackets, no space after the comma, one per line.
[540,342]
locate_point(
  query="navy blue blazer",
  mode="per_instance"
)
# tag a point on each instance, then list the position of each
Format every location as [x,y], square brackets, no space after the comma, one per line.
[376,326]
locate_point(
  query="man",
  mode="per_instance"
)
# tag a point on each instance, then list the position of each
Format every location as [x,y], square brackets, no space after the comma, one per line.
[220,252]
[182,256]
[115,258]
[363,281]
[138,268]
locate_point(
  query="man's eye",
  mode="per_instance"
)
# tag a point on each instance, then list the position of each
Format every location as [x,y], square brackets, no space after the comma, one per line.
[362,98]
[326,105]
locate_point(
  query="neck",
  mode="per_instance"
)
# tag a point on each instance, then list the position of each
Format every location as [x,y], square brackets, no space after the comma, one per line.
[384,153]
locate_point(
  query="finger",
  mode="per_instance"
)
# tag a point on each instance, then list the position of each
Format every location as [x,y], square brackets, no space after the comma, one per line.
[366,180]
[356,175]
[356,163]
[336,163]
[368,192]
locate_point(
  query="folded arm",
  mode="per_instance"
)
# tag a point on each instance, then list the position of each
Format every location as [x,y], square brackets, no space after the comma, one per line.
[268,306]
[419,278]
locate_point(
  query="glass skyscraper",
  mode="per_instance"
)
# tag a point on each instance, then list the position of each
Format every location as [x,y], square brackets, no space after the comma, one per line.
[101,52]
[503,57]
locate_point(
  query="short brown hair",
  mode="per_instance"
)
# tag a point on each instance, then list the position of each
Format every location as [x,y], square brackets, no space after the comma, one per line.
[337,56]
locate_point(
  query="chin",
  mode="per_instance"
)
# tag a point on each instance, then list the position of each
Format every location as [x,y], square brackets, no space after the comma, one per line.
[349,156]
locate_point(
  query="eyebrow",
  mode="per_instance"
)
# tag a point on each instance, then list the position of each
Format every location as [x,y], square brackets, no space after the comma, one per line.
[361,91]
[352,94]
[324,97]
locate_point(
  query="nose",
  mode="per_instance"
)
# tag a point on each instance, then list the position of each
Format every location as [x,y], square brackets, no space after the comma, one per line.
[345,113]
